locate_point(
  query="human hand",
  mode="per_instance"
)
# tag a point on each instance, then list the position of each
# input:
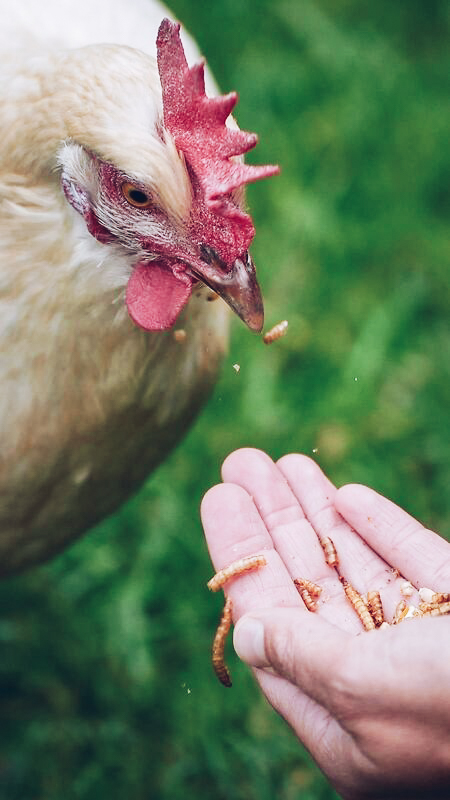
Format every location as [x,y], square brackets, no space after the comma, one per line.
[373,709]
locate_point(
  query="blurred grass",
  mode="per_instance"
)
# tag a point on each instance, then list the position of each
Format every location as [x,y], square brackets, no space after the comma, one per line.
[105,681]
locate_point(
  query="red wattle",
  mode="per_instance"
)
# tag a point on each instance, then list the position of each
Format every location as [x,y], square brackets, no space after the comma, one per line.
[155,296]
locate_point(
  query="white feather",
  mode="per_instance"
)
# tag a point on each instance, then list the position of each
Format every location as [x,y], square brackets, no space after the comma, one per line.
[89,403]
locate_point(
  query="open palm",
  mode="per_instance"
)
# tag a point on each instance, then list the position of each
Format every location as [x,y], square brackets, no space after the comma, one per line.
[371,708]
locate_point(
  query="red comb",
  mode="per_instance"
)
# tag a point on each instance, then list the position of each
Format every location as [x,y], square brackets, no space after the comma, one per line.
[197,124]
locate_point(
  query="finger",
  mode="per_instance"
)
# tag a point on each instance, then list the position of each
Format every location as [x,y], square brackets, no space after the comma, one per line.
[316,495]
[306,652]
[318,731]
[292,534]
[303,648]
[282,493]
[420,555]
[358,562]
[279,508]
[234,529]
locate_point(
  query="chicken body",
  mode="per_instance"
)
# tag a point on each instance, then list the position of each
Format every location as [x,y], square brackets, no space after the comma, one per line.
[89,402]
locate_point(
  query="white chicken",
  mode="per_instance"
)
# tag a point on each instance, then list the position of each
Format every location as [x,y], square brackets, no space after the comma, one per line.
[121,193]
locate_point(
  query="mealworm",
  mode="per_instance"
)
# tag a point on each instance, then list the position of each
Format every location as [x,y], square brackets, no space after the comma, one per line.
[400,612]
[276,332]
[426,595]
[375,607]
[358,605]
[218,648]
[233,570]
[440,597]
[179,335]
[407,589]
[331,556]
[305,594]
[313,588]
[435,611]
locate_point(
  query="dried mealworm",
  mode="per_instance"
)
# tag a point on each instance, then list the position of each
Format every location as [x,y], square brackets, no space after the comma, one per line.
[359,606]
[400,612]
[313,588]
[407,589]
[331,556]
[413,611]
[441,597]
[233,570]
[276,332]
[218,648]
[375,607]
[426,595]
[179,335]
[305,594]
[435,611]
[424,607]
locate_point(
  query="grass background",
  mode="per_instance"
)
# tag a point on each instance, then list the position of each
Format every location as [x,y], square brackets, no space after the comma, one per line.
[105,681]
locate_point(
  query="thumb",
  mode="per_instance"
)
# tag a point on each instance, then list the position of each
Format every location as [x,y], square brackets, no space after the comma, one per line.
[300,646]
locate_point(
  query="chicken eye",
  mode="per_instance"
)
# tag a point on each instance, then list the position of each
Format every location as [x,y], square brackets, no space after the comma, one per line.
[135,196]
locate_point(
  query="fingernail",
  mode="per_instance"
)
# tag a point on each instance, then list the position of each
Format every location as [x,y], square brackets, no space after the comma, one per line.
[248,641]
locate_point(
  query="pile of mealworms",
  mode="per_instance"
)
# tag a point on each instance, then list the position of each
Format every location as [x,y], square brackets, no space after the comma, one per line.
[368,607]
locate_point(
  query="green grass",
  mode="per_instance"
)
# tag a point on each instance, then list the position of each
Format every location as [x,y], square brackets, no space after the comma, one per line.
[107,690]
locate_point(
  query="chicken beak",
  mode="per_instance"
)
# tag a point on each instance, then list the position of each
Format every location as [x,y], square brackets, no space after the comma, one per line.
[238,287]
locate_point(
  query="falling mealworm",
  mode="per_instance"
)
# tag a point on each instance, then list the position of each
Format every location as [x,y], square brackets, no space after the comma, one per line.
[233,570]
[359,605]
[276,332]
[331,556]
[218,648]
[179,335]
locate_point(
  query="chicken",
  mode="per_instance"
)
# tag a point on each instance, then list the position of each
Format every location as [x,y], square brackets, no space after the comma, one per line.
[121,194]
